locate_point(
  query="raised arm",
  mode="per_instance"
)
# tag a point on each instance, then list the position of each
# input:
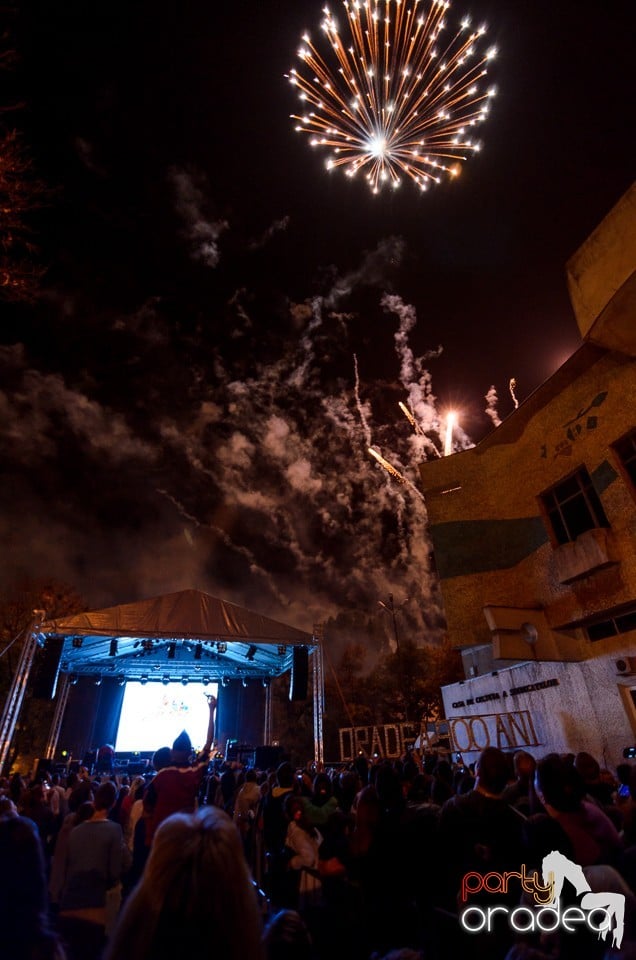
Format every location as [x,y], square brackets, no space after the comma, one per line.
[210,737]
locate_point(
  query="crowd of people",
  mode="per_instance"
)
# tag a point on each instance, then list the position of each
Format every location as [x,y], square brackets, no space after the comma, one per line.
[360,860]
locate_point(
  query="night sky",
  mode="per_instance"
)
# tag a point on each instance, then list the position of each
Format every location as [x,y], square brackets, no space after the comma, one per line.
[225,327]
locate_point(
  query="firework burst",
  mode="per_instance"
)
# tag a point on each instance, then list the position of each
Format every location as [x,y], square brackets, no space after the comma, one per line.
[395,97]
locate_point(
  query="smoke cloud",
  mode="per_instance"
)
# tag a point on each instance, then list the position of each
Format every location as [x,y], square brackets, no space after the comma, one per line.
[238,466]
[492,400]
[200,231]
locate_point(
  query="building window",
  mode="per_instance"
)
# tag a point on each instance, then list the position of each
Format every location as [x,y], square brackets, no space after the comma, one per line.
[611,626]
[626,451]
[573,506]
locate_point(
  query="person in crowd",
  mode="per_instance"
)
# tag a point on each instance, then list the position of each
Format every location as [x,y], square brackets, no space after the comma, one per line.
[79,811]
[623,774]
[479,831]
[274,833]
[35,807]
[93,867]
[7,808]
[345,787]
[195,890]
[562,791]
[131,809]
[135,839]
[122,793]
[286,937]
[442,785]
[229,789]
[321,804]
[303,843]
[628,809]
[519,793]
[25,932]
[105,759]
[176,787]
[246,809]
[599,788]
[17,788]
[56,798]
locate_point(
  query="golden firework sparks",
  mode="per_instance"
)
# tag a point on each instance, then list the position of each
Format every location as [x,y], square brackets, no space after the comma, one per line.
[451,420]
[392,97]
[387,466]
[409,416]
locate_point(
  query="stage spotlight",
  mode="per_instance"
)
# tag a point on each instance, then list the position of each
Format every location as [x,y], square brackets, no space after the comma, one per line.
[221,647]
[198,650]
[112,652]
[205,681]
[282,649]
[251,652]
[265,681]
[77,642]
[97,681]
[244,681]
[184,681]
[73,679]
[121,681]
[225,681]
[144,680]
[165,681]
[172,650]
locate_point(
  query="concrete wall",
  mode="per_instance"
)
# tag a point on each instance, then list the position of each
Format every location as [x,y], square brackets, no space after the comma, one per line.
[492,542]
[500,566]
[507,584]
[602,279]
[573,707]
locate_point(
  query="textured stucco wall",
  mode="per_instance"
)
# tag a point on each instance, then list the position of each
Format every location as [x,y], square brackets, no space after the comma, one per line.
[598,272]
[589,709]
[492,545]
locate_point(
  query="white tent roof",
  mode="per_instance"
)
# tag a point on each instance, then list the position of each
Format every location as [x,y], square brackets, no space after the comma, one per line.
[177,635]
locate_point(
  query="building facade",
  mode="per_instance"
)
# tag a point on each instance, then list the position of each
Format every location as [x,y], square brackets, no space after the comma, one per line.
[534,533]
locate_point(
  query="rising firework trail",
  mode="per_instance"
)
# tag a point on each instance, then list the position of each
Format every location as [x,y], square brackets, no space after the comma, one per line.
[387,466]
[409,416]
[451,420]
[391,96]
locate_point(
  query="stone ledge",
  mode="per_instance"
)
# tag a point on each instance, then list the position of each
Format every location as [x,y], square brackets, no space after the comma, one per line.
[591,551]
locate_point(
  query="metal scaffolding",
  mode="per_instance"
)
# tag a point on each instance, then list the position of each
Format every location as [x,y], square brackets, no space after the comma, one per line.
[267,730]
[56,725]
[319,693]
[18,687]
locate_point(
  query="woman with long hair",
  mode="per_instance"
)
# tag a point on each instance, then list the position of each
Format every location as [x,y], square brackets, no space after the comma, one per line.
[195,889]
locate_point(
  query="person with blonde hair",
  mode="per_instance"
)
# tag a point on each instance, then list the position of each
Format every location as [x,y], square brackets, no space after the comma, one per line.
[195,889]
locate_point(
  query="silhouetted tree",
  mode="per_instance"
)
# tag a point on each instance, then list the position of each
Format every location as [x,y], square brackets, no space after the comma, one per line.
[21,193]
[17,603]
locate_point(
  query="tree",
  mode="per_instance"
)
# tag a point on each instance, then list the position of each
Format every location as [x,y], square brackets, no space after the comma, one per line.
[293,721]
[402,685]
[17,604]
[406,684]
[21,194]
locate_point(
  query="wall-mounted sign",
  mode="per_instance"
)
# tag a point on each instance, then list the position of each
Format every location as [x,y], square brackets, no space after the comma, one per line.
[387,740]
[513,692]
[508,731]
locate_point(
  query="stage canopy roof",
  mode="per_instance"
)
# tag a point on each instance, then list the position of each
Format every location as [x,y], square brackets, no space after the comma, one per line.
[185,635]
